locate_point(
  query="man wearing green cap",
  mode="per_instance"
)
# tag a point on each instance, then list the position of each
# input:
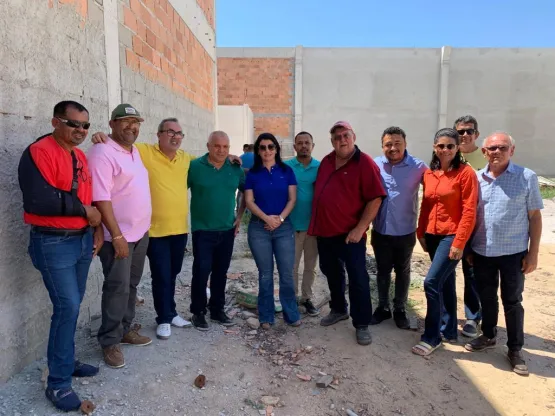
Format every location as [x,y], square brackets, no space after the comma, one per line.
[122,195]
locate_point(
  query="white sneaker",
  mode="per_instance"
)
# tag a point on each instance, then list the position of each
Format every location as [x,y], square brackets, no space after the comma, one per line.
[163,331]
[179,322]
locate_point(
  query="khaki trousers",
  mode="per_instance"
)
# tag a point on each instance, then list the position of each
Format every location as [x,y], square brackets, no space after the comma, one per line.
[305,244]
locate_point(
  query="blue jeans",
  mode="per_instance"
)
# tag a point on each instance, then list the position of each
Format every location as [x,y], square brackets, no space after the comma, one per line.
[264,246]
[441,294]
[165,255]
[64,264]
[212,252]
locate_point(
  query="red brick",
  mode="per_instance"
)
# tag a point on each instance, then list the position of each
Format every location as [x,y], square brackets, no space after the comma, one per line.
[132,60]
[148,53]
[137,45]
[135,6]
[150,38]
[129,19]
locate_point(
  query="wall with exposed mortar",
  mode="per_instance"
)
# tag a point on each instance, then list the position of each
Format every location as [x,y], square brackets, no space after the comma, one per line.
[84,50]
[420,90]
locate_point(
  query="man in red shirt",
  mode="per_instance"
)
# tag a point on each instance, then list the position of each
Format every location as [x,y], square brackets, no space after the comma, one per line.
[347,196]
[57,193]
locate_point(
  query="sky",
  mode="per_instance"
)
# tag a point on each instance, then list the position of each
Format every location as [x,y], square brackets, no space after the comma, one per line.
[385,23]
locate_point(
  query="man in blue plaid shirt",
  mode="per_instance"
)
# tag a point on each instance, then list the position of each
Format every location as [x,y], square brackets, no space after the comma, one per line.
[506,244]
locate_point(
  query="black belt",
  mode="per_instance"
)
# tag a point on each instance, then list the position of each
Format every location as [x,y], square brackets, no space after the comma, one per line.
[60,231]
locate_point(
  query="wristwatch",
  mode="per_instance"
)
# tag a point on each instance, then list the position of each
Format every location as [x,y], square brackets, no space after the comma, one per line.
[281,218]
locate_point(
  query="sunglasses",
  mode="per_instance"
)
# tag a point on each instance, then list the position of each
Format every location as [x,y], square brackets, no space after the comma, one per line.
[270,147]
[75,124]
[494,148]
[449,146]
[470,132]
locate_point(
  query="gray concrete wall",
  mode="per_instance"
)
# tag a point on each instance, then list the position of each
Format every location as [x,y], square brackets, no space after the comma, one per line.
[422,90]
[50,52]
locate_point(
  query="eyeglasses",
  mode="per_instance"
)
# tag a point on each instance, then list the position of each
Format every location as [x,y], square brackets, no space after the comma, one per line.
[494,148]
[75,124]
[470,132]
[449,146]
[270,147]
[171,133]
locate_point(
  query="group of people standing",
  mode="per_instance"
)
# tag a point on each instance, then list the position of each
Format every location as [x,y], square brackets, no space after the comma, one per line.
[125,201]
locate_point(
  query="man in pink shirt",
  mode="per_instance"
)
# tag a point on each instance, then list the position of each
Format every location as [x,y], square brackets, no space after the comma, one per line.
[121,193]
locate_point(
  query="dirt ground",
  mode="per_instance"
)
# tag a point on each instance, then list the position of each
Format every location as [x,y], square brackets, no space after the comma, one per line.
[241,367]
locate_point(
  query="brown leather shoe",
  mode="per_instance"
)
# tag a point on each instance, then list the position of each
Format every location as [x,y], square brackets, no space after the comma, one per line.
[113,357]
[134,338]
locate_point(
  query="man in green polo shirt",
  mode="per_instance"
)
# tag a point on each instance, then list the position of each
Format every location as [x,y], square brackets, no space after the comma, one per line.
[306,170]
[213,181]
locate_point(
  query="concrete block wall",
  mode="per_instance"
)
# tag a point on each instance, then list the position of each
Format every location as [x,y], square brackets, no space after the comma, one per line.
[418,89]
[265,82]
[79,50]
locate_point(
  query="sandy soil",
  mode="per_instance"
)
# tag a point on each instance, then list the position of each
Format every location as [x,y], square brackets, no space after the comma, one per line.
[382,379]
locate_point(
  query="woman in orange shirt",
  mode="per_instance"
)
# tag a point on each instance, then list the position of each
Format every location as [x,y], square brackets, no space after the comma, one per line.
[447,218]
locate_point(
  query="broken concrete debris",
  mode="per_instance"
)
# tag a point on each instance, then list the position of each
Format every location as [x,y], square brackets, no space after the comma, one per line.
[324,381]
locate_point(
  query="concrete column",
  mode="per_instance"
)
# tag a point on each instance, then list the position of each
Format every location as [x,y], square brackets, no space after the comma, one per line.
[298,80]
[443,87]
[111,44]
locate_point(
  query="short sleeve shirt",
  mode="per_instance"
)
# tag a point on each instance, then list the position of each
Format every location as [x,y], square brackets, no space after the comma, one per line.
[306,178]
[341,195]
[502,226]
[120,176]
[271,187]
[247,160]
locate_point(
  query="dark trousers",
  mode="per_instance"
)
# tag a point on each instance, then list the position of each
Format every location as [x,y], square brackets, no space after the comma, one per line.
[335,256]
[471,295]
[212,252]
[393,253]
[488,272]
[439,286]
[165,255]
[64,265]
[119,291]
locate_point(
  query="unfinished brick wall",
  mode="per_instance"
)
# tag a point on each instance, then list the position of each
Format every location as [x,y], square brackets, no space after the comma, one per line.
[207,7]
[165,51]
[266,85]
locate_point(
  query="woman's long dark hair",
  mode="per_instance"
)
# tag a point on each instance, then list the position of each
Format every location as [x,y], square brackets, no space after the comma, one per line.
[458,160]
[258,160]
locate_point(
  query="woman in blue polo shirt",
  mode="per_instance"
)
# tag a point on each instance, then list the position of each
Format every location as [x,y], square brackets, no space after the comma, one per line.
[270,194]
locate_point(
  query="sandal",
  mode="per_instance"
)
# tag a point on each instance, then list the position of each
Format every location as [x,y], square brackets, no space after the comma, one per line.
[424,349]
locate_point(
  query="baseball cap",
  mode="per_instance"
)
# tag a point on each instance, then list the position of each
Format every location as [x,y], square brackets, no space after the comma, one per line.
[344,124]
[125,111]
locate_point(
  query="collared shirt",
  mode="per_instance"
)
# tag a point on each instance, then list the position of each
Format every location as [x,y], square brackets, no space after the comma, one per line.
[120,176]
[247,160]
[449,204]
[168,189]
[502,226]
[398,212]
[271,187]
[476,159]
[306,177]
[341,195]
[56,167]
[213,194]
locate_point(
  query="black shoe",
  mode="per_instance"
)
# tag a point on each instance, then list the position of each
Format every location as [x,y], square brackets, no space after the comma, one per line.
[199,322]
[363,336]
[481,343]
[63,399]
[221,318]
[310,308]
[401,320]
[333,318]
[517,363]
[84,370]
[380,314]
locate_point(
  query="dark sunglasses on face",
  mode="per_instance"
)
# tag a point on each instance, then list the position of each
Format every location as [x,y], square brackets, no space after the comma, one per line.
[449,146]
[470,132]
[270,147]
[500,148]
[75,124]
